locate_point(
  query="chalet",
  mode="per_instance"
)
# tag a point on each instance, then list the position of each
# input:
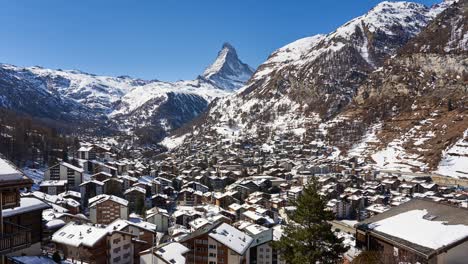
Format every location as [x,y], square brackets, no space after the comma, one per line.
[261,249]
[417,231]
[114,186]
[66,172]
[89,189]
[94,245]
[160,200]
[104,209]
[87,152]
[136,199]
[144,234]
[189,197]
[168,253]
[221,243]
[53,187]
[21,225]
[159,217]
[101,176]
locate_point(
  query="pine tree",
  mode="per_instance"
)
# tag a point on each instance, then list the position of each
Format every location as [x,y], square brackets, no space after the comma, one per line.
[308,237]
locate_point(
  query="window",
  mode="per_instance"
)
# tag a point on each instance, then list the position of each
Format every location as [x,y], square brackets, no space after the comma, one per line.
[212,246]
[116,241]
[117,250]
[117,259]
[212,255]
[212,262]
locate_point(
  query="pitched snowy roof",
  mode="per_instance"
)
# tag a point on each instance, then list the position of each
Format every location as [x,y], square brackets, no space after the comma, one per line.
[27,204]
[169,253]
[77,235]
[105,197]
[72,167]
[231,237]
[416,227]
[421,224]
[9,172]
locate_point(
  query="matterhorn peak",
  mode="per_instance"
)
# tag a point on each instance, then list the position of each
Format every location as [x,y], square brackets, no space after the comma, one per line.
[228,71]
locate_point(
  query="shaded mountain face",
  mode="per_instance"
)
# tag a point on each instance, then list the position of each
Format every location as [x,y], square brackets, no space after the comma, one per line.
[120,103]
[380,85]
[228,72]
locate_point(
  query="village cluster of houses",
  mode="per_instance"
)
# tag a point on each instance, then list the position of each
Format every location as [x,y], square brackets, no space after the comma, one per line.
[225,202]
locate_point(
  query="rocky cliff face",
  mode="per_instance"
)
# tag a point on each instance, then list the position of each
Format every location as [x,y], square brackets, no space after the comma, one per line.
[228,72]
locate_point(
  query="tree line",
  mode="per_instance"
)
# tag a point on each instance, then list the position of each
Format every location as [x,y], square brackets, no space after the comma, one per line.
[30,142]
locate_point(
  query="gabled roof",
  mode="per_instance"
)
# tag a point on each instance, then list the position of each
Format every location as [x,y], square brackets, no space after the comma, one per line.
[171,253]
[11,175]
[27,204]
[421,225]
[231,237]
[105,197]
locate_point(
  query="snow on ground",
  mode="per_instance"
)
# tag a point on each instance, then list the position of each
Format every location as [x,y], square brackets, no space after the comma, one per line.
[37,175]
[173,142]
[412,227]
[454,161]
[394,157]
[360,149]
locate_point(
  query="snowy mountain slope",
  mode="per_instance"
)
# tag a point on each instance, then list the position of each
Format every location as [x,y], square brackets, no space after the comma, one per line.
[95,92]
[376,89]
[420,97]
[119,102]
[315,78]
[228,71]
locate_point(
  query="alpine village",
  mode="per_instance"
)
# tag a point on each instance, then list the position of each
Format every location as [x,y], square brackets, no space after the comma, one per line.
[345,147]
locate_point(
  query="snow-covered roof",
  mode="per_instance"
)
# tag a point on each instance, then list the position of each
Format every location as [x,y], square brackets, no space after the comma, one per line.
[72,167]
[416,227]
[27,204]
[231,237]
[50,183]
[77,235]
[105,197]
[135,188]
[9,172]
[170,253]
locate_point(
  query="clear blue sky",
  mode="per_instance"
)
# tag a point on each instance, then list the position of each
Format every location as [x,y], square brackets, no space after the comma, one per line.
[159,39]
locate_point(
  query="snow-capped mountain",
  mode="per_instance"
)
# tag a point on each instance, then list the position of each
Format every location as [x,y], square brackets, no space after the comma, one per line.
[312,86]
[315,78]
[228,71]
[119,102]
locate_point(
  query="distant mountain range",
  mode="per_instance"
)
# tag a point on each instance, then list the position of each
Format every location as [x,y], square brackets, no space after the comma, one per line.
[388,87]
[118,103]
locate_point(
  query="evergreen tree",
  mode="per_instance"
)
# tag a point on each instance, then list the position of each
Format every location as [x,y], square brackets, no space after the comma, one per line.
[56,257]
[308,237]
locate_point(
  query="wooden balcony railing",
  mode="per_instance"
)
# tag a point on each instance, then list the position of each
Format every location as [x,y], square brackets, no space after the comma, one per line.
[14,237]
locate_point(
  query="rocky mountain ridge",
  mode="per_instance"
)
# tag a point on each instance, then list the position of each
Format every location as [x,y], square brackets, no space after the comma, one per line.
[119,103]
[325,87]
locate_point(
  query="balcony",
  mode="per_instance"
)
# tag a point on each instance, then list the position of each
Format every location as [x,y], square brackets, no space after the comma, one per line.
[14,237]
